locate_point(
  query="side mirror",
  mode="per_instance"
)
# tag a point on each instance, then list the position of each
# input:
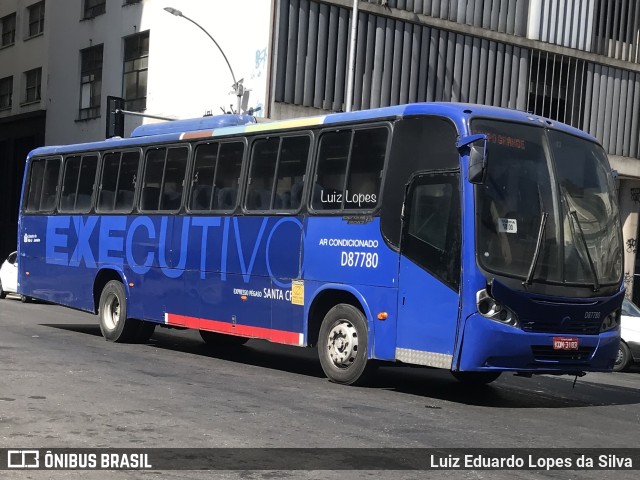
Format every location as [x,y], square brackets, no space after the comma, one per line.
[477,156]
[478,163]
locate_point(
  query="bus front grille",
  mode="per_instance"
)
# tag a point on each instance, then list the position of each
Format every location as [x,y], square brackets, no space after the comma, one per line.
[583,327]
[547,353]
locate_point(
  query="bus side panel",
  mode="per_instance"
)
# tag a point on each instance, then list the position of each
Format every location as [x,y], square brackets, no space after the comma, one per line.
[59,247]
[428,317]
[239,271]
[348,250]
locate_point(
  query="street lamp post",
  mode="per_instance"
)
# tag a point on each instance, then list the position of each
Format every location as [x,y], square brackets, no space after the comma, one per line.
[352,56]
[237,85]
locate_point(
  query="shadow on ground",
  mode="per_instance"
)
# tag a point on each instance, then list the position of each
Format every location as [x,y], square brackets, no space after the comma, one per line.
[434,384]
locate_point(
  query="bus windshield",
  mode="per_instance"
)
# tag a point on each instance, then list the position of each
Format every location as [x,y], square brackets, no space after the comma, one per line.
[534,173]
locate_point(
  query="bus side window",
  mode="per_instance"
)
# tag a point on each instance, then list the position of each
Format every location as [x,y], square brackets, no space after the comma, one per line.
[432,226]
[127,179]
[164,177]
[365,168]
[264,157]
[77,183]
[227,177]
[278,165]
[349,170]
[118,182]
[174,176]
[202,192]
[108,182]
[153,174]
[292,165]
[43,185]
[69,183]
[333,155]
[86,183]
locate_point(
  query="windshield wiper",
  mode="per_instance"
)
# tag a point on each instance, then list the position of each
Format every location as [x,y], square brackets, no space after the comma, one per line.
[536,253]
[596,284]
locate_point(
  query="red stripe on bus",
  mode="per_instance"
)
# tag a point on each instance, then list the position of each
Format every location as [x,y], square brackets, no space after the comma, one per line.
[279,336]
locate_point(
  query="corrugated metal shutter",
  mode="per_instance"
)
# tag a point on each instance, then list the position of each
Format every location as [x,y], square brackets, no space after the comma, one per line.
[399,62]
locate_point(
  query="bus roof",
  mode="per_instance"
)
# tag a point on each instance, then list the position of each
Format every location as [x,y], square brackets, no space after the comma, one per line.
[223,125]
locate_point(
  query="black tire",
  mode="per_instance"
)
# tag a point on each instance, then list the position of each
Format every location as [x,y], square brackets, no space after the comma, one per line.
[476,378]
[3,294]
[343,346]
[145,331]
[112,312]
[214,339]
[25,299]
[624,359]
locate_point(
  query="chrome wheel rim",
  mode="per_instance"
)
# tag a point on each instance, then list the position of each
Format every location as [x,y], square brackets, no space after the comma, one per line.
[342,344]
[111,312]
[619,357]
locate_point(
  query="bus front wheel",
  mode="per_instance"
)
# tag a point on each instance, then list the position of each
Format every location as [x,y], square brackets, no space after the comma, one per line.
[476,378]
[342,345]
[112,310]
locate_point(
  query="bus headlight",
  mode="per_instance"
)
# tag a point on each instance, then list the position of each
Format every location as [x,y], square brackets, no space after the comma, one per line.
[611,321]
[489,308]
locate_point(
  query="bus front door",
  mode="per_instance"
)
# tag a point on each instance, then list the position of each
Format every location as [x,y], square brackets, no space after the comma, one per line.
[429,270]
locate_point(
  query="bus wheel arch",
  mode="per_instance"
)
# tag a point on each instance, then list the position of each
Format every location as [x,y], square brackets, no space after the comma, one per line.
[324,301]
[103,277]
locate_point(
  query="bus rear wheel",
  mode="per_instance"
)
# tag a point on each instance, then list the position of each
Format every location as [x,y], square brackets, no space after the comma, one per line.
[112,311]
[342,346]
[476,378]
[214,339]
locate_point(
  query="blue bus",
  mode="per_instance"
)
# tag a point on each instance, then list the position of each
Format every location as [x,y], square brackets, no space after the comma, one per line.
[464,237]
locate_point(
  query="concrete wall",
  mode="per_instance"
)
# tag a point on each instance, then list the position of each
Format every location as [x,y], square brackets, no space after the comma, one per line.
[26,54]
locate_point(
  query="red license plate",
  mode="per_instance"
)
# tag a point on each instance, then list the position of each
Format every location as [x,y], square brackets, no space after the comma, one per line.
[565,343]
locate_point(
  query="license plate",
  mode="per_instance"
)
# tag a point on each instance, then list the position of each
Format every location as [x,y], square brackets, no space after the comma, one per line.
[565,343]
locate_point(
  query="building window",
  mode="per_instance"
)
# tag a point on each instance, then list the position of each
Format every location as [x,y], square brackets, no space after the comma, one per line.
[6,92]
[136,62]
[93,8]
[556,87]
[90,82]
[36,19]
[131,2]
[33,80]
[8,25]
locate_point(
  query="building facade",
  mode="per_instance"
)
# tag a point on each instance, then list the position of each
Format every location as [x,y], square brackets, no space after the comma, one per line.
[24,30]
[575,61]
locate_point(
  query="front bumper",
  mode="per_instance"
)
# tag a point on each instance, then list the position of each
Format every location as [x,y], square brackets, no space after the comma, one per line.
[490,345]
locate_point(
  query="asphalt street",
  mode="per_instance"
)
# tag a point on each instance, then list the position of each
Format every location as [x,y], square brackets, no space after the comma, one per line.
[63,385]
